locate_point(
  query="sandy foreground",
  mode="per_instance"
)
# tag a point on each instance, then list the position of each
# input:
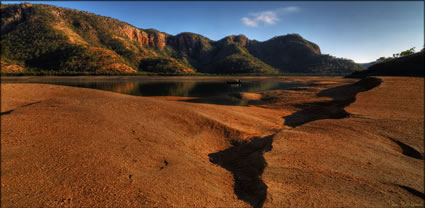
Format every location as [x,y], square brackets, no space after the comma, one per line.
[337,142]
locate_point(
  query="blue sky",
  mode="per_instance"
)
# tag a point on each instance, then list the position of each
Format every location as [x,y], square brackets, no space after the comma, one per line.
[361,31]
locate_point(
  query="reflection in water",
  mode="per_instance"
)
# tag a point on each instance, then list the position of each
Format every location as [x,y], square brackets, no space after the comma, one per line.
[124,87]
[216,92]
[181,89]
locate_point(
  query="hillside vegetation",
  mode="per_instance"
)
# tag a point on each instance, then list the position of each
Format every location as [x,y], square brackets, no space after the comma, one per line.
[39,38]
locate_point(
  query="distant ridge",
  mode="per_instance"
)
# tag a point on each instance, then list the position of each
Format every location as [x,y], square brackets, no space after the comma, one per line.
[411,66]
[366,65]
[48,38]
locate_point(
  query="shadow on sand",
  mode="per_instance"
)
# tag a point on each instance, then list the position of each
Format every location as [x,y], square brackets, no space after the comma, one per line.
[10,111]
[342,97]
[246,162]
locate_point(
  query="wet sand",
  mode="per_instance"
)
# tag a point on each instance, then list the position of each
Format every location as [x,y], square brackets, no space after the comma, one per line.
[310,146]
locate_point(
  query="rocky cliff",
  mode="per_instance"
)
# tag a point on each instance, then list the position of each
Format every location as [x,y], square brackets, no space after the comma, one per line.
[47,38]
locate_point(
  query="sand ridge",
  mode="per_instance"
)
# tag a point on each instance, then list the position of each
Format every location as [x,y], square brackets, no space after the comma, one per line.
[64,146]
[82,147]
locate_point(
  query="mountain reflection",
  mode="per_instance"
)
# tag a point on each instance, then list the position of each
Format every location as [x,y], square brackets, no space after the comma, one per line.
[204,91]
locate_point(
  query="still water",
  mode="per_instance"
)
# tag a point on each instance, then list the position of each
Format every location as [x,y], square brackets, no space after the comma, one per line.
[203,91]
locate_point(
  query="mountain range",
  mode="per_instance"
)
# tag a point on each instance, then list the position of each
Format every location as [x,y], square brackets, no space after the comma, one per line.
[41,37]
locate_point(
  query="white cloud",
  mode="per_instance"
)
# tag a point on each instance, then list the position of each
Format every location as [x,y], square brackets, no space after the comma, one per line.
[267,17]
[249,22]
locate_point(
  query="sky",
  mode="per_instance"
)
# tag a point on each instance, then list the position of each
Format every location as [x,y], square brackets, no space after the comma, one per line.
[360,31]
